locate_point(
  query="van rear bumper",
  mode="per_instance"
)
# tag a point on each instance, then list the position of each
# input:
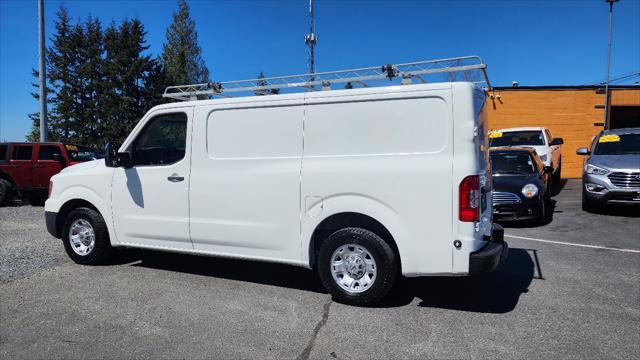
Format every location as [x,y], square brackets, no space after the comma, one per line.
[491,255]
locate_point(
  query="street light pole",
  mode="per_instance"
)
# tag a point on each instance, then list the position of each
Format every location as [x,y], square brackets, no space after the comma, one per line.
[42,74]
[606,86]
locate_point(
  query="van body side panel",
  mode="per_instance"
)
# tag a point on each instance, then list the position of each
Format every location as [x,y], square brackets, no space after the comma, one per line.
[245,180]
[388,156]
[469,159]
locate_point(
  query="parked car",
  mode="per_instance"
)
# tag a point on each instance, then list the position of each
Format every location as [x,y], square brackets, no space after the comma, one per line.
[540,138]
[611,172]
[521,185]
[27,167]
[376,191]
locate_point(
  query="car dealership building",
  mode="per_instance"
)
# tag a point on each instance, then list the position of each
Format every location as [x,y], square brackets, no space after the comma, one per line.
[574,113]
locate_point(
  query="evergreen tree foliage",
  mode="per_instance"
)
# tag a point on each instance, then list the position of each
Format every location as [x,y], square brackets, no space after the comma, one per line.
[100,82]
[181,55]
[262,82]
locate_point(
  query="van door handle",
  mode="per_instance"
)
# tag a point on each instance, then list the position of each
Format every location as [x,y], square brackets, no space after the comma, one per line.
[175,178]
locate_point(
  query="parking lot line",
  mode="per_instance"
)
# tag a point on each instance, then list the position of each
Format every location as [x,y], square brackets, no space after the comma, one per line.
[573,244]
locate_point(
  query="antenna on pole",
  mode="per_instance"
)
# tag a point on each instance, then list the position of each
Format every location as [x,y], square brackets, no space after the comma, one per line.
[311,39]
[42,73]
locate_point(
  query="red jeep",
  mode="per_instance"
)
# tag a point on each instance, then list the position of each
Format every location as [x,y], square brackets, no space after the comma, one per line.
[26,168]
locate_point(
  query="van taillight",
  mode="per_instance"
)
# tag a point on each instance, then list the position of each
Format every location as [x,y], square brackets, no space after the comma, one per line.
[469,200]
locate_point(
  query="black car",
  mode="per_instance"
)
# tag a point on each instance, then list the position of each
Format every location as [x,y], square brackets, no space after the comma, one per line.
[521,185]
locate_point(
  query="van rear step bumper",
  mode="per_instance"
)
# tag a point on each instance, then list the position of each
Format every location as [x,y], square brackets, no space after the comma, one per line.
[491,255]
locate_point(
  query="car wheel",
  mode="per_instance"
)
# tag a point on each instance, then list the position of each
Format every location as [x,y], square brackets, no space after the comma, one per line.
[85,237]
[588,205]
[6,192]
[557,176]
[357,266]
[543,209]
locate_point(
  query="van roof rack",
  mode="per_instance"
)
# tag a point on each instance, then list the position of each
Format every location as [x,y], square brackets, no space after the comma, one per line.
[454,69]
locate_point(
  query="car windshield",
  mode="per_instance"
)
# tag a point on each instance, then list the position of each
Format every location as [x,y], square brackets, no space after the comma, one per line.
[516,138]
[81,153]
[511,164]
[618,144]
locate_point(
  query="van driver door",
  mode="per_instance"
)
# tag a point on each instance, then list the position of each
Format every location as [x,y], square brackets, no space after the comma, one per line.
[150,199]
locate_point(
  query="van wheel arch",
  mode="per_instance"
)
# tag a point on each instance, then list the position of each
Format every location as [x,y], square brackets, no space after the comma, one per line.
[348,220]
[68,207]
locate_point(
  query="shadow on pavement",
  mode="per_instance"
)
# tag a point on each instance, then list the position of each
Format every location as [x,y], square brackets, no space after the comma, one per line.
[632,211]
[496,292]
[557,188]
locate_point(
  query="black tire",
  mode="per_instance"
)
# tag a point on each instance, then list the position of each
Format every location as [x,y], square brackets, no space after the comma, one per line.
[102,246]
[588,205]
[385,260]
[544,210]
[6,192]
[557,176]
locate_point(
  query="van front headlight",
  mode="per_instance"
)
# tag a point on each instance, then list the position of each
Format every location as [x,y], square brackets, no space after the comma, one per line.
[595,170]
[529,191]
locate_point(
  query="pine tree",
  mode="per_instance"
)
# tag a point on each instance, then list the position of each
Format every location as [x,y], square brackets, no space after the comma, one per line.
[181,55]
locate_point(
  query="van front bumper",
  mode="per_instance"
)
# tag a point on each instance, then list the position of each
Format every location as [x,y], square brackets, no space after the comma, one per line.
[491,255]
[50,219]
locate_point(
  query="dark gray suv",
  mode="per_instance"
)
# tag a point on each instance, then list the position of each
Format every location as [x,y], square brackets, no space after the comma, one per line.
[611,173]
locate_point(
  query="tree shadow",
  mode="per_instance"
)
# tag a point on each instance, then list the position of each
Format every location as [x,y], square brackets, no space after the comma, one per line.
[496,292]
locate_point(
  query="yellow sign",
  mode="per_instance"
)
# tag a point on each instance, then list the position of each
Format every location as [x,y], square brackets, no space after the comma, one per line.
[71,147]
[609,138]
[495,134]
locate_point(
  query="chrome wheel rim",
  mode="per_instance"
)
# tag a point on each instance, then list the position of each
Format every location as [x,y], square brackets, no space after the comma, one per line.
[353,268]
[82,237]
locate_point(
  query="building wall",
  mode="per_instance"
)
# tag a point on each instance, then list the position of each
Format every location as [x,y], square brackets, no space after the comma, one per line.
[568,113]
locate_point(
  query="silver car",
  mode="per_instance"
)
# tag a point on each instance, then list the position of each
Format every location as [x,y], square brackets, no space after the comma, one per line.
[611,173]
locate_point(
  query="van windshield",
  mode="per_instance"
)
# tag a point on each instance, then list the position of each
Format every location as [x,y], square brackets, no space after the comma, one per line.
[516,138]
[621,144]
[511,164]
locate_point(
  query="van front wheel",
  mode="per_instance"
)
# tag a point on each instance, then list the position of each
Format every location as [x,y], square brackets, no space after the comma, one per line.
[85,237]
[357,266]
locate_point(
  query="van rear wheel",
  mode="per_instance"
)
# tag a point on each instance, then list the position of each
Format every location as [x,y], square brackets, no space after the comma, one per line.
[85,237]
[357,266]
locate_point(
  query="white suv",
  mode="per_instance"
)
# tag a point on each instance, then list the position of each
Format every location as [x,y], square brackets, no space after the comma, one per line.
[539,138]
[363,185]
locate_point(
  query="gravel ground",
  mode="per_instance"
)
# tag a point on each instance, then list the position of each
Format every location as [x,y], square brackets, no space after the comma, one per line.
[25,245]
[550,301]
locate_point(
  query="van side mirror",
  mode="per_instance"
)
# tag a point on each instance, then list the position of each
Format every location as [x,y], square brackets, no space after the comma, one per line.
[557,141]
[124,160]
[583,151]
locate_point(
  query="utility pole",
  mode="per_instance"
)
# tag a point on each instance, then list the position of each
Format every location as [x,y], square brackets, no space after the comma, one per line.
[42,74]
[607,102]
[310,39]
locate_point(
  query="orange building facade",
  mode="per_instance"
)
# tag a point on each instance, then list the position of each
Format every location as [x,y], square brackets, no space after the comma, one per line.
[574,113]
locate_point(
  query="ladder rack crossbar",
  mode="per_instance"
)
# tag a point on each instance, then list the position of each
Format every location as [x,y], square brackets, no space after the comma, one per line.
[324,80]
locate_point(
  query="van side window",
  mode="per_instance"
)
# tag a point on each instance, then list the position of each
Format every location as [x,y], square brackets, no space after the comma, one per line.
[162,141]
[22,152]
[47,152]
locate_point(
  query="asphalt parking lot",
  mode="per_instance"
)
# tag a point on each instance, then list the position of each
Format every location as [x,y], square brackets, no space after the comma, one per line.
[570,289]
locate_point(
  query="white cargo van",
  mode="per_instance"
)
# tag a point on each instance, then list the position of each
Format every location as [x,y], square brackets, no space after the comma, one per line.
[362,185]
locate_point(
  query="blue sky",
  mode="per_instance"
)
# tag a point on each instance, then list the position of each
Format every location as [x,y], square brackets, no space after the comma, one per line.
[533,42]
